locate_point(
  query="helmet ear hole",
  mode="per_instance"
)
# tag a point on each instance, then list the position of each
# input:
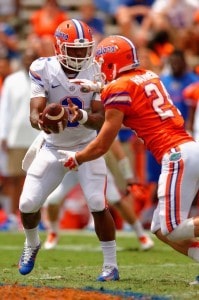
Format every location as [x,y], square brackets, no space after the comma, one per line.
[110,66]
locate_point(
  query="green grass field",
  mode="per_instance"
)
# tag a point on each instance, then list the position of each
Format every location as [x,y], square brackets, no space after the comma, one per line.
[77,262]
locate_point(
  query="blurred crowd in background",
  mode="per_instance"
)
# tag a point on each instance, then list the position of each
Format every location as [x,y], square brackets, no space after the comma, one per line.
[166,34]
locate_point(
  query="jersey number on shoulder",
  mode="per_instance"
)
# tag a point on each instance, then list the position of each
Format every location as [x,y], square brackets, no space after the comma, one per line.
[158,102]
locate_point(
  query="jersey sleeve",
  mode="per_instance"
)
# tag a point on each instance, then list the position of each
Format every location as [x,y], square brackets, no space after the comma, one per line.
[117,95]
[36,90]
[36,76]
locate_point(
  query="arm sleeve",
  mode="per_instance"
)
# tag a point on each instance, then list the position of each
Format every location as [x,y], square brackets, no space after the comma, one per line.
[37,90]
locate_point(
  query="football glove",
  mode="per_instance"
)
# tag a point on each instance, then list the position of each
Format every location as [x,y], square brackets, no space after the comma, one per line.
[88,85]
[68,160]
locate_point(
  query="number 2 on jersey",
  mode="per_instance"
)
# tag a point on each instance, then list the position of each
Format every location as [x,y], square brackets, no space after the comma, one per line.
[158,102]
[78,103]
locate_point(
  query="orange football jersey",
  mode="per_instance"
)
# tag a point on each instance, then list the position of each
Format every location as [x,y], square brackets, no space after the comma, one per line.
[148,110]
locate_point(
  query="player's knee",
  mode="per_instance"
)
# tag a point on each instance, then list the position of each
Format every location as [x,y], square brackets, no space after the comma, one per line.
[96,203]
[27,206]
[183,231]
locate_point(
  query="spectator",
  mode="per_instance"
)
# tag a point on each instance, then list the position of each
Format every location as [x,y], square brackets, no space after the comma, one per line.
[9,9]
[173,13]
[89,16]
[130,15]
[161,46]
[176,78]
[9,44]
[5,70]
[150,59]
[191,45]
[44,22]
[173,16]
[16,133]
[132,18]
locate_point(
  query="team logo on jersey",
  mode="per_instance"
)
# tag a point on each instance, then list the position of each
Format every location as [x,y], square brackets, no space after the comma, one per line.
[175,156]
[71,88]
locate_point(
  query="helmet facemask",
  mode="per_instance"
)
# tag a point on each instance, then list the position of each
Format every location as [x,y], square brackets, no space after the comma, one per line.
[70,54]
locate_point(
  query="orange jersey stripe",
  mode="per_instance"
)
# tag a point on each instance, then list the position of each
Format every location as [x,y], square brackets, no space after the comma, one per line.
[173,193]
[178,191]
[167,196]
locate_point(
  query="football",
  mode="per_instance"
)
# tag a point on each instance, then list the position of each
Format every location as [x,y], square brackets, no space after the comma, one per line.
[55,117]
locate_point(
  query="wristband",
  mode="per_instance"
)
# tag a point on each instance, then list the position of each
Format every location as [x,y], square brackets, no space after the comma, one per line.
[84,117]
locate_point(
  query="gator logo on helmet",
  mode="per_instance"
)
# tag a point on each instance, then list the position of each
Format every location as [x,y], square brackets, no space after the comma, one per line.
[61,35]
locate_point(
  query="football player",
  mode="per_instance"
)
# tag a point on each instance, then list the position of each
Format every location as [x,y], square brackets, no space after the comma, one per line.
[138,99]
[122,203]
[74,47]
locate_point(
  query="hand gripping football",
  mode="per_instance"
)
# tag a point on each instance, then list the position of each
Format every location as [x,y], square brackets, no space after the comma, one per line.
[54,118]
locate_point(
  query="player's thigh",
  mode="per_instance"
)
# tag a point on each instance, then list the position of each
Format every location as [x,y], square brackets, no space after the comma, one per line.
[178,185]
[92,178]
[155,223]
[69,181]
[43,176]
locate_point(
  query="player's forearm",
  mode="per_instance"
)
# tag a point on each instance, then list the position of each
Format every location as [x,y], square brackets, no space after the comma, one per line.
[91,152]
[95,121]
[37,106]
[87,155]
[34,118]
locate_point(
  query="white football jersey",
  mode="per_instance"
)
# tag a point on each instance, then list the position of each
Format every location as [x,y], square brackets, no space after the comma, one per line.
[49,80]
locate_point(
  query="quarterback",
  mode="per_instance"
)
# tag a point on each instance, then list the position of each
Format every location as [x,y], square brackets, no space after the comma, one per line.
[137,98]
[74,46]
